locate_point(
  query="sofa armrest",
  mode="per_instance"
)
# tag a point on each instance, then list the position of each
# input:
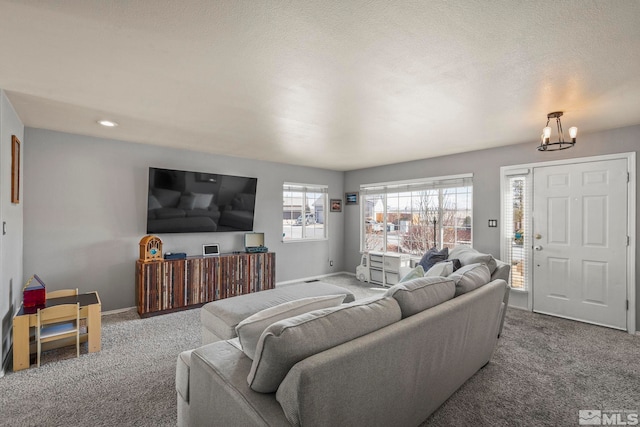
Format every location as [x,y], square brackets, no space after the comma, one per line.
[505,302]
[182,387]
[502,271]
[219,394]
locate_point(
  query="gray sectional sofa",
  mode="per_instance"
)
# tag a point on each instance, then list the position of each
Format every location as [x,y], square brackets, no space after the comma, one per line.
[388,360]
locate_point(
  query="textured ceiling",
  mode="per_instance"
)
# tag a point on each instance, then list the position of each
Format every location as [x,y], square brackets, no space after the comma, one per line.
[338,84]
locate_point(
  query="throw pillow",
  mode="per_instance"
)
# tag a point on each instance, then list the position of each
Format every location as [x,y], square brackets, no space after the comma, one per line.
[443,269]
[416,272]
[420,294]
[433,256]
[470,277]
[202,201]
[288,341]
[167,198]
[250,329]
[153,202]
[456,263]
[468,255]
[187,202]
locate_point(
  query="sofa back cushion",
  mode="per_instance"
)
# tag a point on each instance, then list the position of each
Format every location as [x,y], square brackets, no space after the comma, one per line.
[288,341]
[420,294]
[251,328]
[470,277]
[468,255]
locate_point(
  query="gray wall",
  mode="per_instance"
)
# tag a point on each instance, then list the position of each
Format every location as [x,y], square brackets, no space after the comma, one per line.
[85,203]
[11,279]
[485,166]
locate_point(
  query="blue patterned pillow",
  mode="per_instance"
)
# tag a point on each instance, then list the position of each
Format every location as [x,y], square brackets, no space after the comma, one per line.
[432,257]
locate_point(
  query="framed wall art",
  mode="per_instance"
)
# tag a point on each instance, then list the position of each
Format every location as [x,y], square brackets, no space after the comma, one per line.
[15,169]
[351,198]
[336,205]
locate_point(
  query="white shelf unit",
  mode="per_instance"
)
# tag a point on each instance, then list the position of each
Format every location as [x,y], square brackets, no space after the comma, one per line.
[384,268]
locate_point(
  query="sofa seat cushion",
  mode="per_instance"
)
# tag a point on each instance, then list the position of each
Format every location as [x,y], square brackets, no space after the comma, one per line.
[470,277]
[420,294]
[250,329]
[221,317]
[169,213]
[468,255]
[214,214]
[285,343]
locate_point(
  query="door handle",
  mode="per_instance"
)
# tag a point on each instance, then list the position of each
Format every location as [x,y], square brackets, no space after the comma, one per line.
[537,248]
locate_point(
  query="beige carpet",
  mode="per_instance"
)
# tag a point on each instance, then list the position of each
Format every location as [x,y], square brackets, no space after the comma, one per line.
[544,370]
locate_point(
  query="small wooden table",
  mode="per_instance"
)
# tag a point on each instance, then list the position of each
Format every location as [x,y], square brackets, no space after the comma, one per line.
[90,309]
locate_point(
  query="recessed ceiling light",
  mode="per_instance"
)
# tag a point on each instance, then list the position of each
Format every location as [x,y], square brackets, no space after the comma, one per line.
[107,123]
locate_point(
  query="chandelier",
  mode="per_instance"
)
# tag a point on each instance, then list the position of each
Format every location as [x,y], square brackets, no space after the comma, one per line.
[561,144]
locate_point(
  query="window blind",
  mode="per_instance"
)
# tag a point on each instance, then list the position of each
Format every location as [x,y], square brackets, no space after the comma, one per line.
[517,233]
[418,185]
[290,187]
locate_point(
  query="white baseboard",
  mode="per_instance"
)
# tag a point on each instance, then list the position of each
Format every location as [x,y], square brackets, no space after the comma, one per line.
[118,310]
[304,279]
[519,308]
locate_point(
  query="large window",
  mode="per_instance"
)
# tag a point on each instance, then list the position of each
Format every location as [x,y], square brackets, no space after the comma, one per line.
[304,212]
[412,216]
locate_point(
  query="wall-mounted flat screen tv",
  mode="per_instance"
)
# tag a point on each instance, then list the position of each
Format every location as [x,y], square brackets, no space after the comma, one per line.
[196,202]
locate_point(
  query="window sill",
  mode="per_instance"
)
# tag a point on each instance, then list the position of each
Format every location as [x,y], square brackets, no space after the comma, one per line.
[304,240]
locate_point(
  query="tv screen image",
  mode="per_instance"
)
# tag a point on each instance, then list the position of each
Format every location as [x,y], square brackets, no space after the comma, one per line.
[196,202]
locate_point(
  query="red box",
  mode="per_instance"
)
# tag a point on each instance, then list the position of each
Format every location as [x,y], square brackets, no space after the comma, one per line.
[34,294]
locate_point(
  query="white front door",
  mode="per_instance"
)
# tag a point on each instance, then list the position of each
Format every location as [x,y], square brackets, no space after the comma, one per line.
[580,242]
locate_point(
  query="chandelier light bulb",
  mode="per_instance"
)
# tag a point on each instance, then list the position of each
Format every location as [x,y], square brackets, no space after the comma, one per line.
[573,132]
[546,132]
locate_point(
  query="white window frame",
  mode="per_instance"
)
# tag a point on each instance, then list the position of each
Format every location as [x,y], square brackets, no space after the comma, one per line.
[449,181]
[304,189]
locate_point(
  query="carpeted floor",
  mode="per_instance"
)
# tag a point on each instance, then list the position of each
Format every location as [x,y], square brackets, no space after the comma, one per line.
[544,370]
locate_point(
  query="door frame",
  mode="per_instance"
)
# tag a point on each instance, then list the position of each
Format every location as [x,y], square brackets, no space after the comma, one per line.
[630,157]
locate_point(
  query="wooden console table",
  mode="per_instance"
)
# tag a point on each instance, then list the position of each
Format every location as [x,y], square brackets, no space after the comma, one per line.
[90,309]
[170,285]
